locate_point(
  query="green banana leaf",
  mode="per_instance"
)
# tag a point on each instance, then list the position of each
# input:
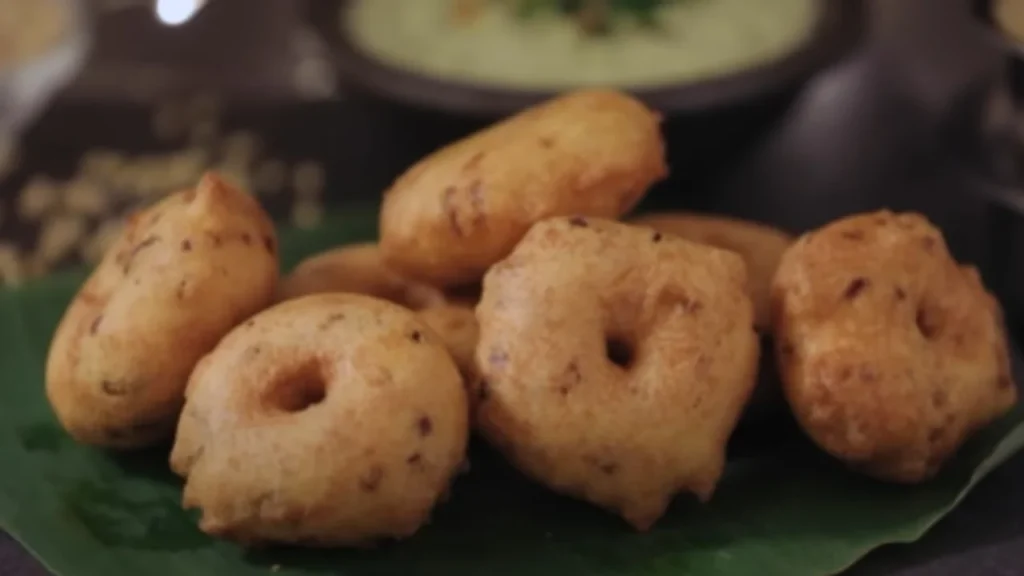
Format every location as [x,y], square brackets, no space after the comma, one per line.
[782,509]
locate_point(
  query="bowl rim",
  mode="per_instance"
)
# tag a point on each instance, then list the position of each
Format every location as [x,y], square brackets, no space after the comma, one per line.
[840,27]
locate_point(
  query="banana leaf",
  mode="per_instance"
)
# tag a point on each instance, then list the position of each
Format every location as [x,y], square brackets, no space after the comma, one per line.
[782,508]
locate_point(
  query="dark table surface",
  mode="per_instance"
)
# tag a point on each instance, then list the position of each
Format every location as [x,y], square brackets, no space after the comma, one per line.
[869,126]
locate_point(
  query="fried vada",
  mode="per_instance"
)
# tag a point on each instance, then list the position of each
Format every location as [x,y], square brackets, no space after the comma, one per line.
[891,353]
[180,276]
[328,420]
[616,361]
[760,246]
[452,215]
[457,328]
[358,269]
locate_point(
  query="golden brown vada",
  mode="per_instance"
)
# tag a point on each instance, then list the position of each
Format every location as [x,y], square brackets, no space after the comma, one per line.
[760,246]
[358,269]
[891,354]
[180,276]
[461,209]
[458,330]
[616,362]
[331,419]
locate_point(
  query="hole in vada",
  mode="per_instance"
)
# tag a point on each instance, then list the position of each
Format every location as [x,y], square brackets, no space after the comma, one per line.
[619,352]
[299,390]
[927,323]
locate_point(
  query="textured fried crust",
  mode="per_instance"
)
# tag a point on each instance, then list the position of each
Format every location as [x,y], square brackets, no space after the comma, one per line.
[464,207]
[182,274]
[891,354]
[616,362]
[358,269]
[333,419]
[457,328]
[760,246]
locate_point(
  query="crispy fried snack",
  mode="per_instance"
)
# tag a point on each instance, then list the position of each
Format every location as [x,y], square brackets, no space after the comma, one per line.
[463,208]
[616,362]
[182,274]
[458,329]
[760,246]
[332,419]
[358,269]
[891,354]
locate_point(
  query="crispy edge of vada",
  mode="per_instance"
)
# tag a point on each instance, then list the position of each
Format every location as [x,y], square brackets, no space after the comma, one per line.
[458,328]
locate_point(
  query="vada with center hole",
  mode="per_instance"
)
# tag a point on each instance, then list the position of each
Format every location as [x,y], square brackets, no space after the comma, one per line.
[179,277]
[328,420]
[891,354]
[615,362]
[455,213]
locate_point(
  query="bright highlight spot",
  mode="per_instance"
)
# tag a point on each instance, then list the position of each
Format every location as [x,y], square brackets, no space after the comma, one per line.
[177,12]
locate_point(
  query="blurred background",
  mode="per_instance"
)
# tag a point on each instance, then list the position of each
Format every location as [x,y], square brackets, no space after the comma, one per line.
[790,112]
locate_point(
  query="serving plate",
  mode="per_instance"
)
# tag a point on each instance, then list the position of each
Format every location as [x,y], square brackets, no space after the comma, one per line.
[782,509]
